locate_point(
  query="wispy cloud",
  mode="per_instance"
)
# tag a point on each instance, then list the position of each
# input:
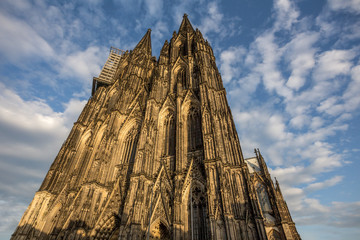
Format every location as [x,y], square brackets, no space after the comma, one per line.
[308,86]
[31,134]
[293,89]
[347,5]
[20,41]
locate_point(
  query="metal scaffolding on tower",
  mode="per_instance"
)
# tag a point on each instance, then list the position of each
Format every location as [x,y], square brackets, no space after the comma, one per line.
[107,73]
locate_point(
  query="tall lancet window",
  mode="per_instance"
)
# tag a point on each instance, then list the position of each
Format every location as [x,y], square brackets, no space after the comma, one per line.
[181,77]
[198,215]
[194,130]
[183,49]
[169,143]
[129,147]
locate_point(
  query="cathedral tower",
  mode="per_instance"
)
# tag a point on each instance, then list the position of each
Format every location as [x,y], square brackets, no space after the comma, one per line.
[155,155]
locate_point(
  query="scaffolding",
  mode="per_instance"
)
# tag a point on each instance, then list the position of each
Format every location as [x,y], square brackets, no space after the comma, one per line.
[107,74]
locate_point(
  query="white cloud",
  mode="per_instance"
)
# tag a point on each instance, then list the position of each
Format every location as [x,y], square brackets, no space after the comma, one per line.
[293,132]
[286,14]
[154,8]
[310,211]
[31,134]
[19,40]
[347,5]
[270,55]
[327,183]
[316,122]
[337,214]
[308,92]
[83,64]
[300,121]
[230,60]
[32,130]
[212,22]
[181,7]
[276,128]
[158,32]
[329,67]
[13,211]
[301,57]
[333,63]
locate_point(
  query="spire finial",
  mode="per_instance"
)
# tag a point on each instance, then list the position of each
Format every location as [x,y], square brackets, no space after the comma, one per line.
[185,15]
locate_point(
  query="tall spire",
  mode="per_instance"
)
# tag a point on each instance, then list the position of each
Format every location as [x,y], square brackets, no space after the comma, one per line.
[145,43]
[185,25]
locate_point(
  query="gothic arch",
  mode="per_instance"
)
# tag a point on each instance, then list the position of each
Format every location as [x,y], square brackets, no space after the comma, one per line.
[179,66]
[180,47]
[207,125]
[197,213]
[85,136]
[193,129]
[168,106]
[190,100]
[167,133]
[129,145]
[159,229]
[262,196]
[81,149]
[127,141]
[182,78]
[98,141]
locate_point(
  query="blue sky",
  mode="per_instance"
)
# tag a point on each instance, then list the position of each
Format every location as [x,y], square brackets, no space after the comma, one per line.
[291,69]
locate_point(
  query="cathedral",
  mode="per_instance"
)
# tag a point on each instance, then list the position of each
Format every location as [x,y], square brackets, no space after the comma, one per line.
[155,155]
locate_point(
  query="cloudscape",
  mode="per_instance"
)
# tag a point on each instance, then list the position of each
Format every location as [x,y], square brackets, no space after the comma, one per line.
[291,69]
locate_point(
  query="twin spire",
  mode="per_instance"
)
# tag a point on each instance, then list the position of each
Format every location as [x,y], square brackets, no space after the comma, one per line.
[145,42]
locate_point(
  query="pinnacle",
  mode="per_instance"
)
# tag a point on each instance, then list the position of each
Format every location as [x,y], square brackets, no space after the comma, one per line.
[185,25]
[145,43]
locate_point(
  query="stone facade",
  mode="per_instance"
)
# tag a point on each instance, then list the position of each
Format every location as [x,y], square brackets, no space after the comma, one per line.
[155,155]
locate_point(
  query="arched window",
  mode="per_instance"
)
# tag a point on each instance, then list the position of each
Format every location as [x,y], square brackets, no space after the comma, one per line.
[198,216]
[263,198]
[129,147]
[181,77]
[196,78]
[183,49]
[169,143]
[194,130]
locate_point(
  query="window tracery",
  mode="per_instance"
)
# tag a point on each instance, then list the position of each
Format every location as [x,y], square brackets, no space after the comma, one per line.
[130,145]
[194,130]
[197,220]
[169,143]
[181,78]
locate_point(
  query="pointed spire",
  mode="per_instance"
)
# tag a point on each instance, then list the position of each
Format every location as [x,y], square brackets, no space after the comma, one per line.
[185,25]
[145,43]
[277,185]
[165,48]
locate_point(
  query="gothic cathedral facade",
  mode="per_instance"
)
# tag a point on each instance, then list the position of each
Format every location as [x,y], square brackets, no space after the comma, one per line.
[155,155]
